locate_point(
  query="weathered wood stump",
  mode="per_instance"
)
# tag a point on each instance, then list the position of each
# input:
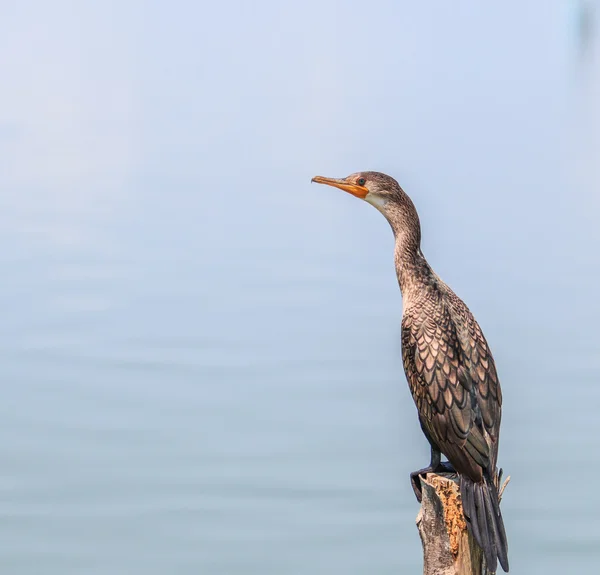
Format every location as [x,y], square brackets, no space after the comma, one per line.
[448,547]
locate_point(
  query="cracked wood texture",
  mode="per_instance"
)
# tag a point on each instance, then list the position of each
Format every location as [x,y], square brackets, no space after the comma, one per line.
[448,547]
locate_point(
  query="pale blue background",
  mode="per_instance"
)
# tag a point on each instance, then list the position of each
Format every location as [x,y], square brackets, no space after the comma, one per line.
[200,351]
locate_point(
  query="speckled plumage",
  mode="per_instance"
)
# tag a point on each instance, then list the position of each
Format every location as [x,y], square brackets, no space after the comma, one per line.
[452,378]
[448,364]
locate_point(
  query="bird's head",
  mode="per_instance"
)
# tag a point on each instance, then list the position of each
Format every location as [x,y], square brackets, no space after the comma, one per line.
[385,194]
[375,188]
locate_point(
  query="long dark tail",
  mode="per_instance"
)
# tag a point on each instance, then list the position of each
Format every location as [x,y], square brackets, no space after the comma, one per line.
[482,512]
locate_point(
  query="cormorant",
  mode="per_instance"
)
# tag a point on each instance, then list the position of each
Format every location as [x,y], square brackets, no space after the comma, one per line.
[448,365]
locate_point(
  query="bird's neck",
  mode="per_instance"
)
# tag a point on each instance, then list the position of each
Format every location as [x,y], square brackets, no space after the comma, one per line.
[413,271]
[412,268]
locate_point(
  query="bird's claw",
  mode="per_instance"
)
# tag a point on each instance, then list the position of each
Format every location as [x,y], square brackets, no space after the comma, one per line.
[415,476]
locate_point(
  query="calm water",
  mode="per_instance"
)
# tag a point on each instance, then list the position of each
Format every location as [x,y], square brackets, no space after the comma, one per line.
[201,367]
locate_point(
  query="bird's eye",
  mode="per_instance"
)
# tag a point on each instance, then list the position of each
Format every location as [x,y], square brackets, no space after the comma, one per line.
[361,181]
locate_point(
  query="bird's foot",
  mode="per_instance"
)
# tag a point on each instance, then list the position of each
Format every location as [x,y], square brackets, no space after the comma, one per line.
[415,476]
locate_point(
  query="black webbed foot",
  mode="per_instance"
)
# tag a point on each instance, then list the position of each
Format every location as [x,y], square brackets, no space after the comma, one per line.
[415,479]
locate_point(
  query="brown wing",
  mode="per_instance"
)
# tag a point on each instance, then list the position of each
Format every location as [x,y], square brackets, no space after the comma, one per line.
[481,368]
[453,381]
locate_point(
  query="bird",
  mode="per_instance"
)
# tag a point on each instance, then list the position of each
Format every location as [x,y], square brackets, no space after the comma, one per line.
[448,365]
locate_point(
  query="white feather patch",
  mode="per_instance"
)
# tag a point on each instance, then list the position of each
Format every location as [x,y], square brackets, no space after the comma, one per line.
[376,201]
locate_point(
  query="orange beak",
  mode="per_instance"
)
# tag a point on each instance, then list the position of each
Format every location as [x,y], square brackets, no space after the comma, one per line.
[354,189]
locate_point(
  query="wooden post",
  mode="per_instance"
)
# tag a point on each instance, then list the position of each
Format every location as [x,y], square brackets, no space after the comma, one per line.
[448,547]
